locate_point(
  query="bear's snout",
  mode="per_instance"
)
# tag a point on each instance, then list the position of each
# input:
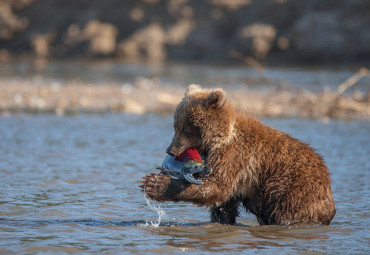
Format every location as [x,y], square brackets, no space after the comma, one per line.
[177,146]
[169,150]
[174,149]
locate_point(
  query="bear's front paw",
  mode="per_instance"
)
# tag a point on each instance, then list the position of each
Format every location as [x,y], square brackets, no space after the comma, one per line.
[155,186]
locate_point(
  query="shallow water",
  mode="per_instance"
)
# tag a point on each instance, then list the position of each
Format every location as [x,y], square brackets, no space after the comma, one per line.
[313,78]
[70,184]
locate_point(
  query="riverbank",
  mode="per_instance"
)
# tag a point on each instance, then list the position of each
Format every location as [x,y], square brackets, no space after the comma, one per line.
[150,95]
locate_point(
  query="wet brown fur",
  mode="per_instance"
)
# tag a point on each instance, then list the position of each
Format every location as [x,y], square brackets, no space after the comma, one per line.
[274,176]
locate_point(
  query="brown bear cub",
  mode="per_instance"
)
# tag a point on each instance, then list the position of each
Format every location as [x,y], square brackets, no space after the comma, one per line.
[274,176]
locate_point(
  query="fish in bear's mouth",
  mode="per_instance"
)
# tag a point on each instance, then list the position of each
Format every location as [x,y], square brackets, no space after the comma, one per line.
[188,166]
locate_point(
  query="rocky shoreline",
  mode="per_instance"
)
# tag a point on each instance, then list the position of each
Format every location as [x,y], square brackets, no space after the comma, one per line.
[144,95]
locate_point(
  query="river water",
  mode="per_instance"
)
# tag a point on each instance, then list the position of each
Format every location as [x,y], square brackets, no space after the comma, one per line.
[315,79]
[70,184]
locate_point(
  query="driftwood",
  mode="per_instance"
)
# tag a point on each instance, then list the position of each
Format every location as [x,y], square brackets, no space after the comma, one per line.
[351,81]
[147,95]
[332,102]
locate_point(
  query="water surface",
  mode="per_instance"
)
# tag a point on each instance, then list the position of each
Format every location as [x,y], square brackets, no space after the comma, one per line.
[313,78]
[70,184]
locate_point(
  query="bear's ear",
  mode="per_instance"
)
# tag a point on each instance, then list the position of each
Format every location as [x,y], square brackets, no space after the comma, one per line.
[215,100]
[192,87]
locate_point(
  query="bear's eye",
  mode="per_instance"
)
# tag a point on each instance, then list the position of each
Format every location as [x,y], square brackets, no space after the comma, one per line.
[186,130]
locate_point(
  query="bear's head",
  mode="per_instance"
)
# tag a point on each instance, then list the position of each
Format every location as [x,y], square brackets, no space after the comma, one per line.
[204,120]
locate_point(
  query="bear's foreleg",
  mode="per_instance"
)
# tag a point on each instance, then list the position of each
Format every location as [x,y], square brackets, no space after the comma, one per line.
[226,213]
[163,188]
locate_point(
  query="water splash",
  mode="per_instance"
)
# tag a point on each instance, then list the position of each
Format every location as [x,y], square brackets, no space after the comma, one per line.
[154,206]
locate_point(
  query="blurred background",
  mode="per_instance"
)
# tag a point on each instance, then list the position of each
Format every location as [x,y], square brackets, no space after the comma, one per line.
[213,30]
[274,57]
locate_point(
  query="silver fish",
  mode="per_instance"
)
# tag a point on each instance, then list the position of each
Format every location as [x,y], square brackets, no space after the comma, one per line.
[184,170]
